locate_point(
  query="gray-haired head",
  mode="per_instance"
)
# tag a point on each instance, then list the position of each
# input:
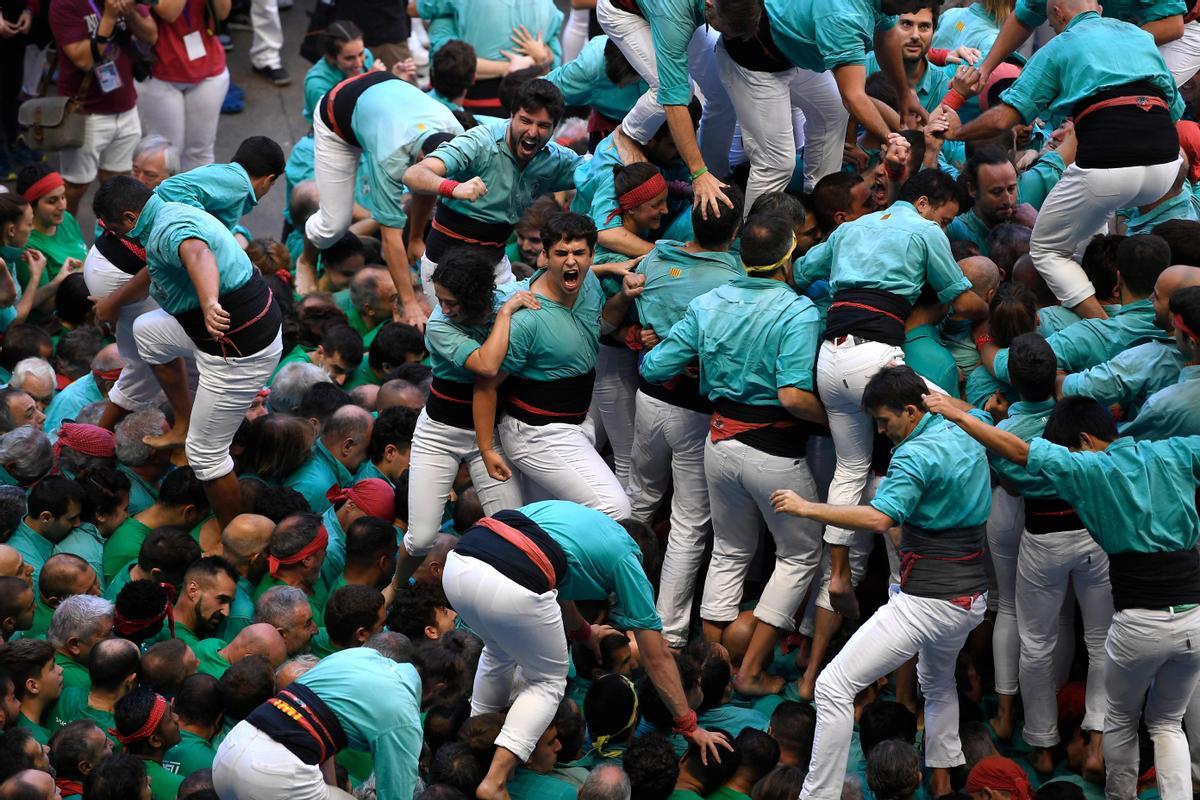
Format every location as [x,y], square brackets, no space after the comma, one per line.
[389,644]
[277,604]
[12,509]
[91,413]
[25,453]
[77,617]
[35,377]
[606,782]
[292,382]
[154,143]
[131,449]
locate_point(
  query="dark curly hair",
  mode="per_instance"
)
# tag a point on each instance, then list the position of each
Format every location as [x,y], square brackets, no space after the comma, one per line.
[468,272]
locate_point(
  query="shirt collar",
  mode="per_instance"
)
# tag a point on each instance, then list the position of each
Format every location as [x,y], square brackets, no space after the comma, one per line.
[322,452]
[1189,373]
[1079,18]
[141,231]
[927,422]
[1028,408]
[1137,306]
[251,197]
[758,284]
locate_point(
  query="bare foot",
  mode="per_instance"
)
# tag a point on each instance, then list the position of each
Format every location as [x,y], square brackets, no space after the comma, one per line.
[1002,726]
[491,790]
[1093,765]
[939,783]
[1041,760]
[758,685]
[806,687]
[842,598]
[172,438]
[178,458]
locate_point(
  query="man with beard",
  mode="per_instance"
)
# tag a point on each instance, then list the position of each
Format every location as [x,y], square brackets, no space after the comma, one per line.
[208,589]
[486,178]
[927,79]
[550,370]
[992,183]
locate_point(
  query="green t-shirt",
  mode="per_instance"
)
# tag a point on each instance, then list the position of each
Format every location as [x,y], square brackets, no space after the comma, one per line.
[67,242]
[39,733]
[75,675]
[211,660]
[192,754]
[123,546]
[73,705]
[164,785]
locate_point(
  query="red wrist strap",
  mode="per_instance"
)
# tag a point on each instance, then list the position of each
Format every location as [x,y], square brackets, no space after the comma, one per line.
[980,341]
[954,99]
[685,724]
[894,172]
[446,188]
[582,634]
[937,56]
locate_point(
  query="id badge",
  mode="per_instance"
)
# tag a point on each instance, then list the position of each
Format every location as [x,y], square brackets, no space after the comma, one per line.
[108,77]
[194,43]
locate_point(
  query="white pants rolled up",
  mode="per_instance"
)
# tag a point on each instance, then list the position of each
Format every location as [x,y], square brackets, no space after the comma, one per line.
[437,450]
[335,163]
[519,628]
[1182,56]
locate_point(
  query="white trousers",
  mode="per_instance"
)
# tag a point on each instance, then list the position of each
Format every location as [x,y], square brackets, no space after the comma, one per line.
[932,630]
[843,371]
[1153,661]
[226,389]
[187,114]
[250,765]
[614,404]
[741,480]
[519,628]
[1079,206]
[437,450]
[764,102]
[668,451]
[561,462]
[1182,56]
[859,553]
[267,40]
[719,122]
[574,34]
[1050,563]
[336,168]
[503,274]
[1004,527]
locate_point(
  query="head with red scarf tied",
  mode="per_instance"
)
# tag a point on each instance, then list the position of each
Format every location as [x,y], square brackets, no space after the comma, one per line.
[998,778]
[296,551]
[146,724]
[373,497]
[46,191]
[82,447]
[641,194]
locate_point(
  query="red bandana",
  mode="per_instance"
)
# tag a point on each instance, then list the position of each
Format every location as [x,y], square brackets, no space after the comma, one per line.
[316,545]
[640,194]
[148,727]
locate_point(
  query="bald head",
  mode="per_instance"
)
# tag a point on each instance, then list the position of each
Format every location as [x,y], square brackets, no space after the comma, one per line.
[400,393]
[108,358]
[259,639]
[65,575]
[1171,280]
[1061,12]
[983,274]
[430,571]
[347,422]
[28,784]
[245,537]
[12,564]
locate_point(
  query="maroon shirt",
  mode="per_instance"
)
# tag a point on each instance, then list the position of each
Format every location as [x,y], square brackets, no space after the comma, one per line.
[75,21]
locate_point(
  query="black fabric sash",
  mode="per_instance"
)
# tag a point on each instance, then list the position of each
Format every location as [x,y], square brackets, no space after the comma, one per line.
[301,722]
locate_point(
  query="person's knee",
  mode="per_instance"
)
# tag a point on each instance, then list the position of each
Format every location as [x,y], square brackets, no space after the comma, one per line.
[206,461]
[832,689]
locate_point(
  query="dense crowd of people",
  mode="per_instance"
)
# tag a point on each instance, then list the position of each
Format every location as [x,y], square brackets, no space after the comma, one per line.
[664,400]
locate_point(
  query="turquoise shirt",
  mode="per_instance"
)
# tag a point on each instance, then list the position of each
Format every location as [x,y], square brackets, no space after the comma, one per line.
[378,703]
[323,76]
[11,256]
[318,475]
[981,385]
[820,35]
[142,494]
[487,25]
[554,341]
[1035,183]
[1094,341]
[483,151]
[966,27]
[584,82]
[67,404]
[938,478]
[1032,13]
[595,193]
[1134,497]
[87,543]
[450,343]
[672,23]
[1129,378]
[603,561]
[1173,411]
[223,190]
[676,277]
[1026,420]
[754,336]
[933,84]
[525,784]
[335,552]
[968,227]
[733,719]
[32,546]
[1053,319]
[1078,63]
[391,142]
[1178,207]
[895,250]
[925,353]
[162,228]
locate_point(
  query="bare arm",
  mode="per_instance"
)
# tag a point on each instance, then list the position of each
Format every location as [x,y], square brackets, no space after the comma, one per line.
[852,80]
[1002,443]
[996,120]
[1012,35]
[142,26]
[859,518]
[624,241]
[1165,30]
[969,305]
[486,361]
[802,404]
[201,267]
[483,411]
[660,667]
[425,176]
[706,187]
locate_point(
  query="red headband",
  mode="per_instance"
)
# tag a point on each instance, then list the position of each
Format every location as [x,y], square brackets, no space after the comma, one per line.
[319,543]
[1183,326]
[126,627]
[90,440]
[999,773]
[108,375]
[264,392]
[644,193]
[148,727]
[43,186]
[374,496]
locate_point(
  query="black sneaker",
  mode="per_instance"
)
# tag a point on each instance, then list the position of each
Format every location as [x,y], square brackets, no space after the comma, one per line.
[276,75]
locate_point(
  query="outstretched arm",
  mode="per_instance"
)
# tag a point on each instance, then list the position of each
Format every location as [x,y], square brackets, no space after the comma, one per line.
[1002,443]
